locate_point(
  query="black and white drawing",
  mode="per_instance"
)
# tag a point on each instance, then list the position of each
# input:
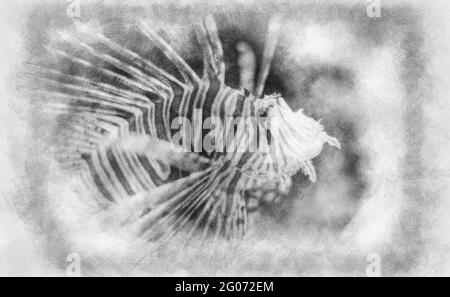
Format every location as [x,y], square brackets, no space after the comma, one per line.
[225,138]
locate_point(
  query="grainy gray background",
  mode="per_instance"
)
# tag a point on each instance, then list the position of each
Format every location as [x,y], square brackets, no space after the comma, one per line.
[380,84]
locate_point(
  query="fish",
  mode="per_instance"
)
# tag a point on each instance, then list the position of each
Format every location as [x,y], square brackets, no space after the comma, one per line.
[172,153]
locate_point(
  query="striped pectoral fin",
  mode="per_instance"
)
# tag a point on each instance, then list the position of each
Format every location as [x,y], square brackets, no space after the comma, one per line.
[200,206]
[225,214]
[162,151]
[145,210]
[177,204]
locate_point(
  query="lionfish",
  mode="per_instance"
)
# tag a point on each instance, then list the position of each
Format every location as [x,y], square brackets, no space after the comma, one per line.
[115,115]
